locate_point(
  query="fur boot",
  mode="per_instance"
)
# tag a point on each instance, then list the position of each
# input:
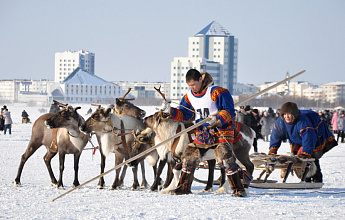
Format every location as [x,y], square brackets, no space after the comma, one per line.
[185,183]
[236,185]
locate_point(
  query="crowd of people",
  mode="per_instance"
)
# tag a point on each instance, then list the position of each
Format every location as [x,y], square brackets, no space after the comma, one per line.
[262,122]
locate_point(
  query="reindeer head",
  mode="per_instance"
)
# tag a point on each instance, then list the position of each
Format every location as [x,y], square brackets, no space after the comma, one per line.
[124,107]
[143,141]
[154,120]
[99,121]
[67,117]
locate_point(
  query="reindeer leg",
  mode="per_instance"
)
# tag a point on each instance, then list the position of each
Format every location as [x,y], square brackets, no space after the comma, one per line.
[47,159]
[123,174]
[135,175]
[158,180]
[209,185]
[32,147]
[62,167]
[144,183]
[101,182]
[76,169]
[118,159]
[170,175]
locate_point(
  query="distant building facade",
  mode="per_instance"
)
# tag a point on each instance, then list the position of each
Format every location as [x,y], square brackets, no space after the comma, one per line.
[334,92]
[26,90]
[240,88]
[291,88]
[83,87]
[66,62]
[213,50]
[146,89]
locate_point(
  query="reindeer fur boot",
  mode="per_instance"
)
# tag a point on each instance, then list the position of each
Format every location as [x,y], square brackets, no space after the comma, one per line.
[236,185]
[185,184]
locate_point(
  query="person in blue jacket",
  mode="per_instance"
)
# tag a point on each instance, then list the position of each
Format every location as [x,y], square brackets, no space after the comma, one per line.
[207,100]
[308,135]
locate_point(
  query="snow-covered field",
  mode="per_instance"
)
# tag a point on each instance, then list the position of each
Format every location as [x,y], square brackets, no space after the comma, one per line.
[33,200]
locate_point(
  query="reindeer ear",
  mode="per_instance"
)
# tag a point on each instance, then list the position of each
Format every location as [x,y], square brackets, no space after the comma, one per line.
[158,120]
[107,111]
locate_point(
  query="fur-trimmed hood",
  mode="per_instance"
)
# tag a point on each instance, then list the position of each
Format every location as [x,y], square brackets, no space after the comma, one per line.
[207,81]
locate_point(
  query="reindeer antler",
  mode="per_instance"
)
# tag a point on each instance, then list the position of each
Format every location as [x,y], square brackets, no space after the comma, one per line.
[99,106]
[159,91]
[60,104]
[123,97]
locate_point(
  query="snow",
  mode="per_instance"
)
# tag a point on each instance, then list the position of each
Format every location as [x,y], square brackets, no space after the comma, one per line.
[33,200]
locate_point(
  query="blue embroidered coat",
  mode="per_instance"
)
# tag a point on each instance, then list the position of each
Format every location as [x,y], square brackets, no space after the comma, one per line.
[225,105]
[307,131]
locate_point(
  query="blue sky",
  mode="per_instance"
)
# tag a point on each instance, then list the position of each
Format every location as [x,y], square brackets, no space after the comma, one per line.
[137,40]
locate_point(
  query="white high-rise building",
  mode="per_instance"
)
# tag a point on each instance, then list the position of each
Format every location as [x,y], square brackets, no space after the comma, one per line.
[213,50]
[66,62]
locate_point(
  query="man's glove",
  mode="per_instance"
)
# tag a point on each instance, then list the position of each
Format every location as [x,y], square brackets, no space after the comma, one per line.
[272,152]
[165,107]
[214,122]
[303,156]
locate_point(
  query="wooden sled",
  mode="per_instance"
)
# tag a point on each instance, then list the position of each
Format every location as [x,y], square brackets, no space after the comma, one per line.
[287,163]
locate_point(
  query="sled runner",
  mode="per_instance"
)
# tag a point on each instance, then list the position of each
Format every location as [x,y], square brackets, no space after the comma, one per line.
[287,164]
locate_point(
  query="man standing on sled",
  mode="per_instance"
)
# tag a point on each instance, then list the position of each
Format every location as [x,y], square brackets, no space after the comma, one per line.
[308,135]
[206,100]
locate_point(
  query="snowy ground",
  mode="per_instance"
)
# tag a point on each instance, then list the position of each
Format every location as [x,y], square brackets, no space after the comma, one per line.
[33,200]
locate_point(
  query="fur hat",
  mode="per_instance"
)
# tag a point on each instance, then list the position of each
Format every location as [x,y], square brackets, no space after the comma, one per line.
[289,108]
[247,108]
[255,110]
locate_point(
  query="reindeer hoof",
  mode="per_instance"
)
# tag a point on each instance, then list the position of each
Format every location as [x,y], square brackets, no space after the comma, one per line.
[144,185]
[54,185]
[100,187]
[15,183]
[207,189]
[239,194]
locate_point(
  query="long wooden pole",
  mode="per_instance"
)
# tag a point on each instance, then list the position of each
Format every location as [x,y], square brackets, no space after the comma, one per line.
[136,157]
[269,88]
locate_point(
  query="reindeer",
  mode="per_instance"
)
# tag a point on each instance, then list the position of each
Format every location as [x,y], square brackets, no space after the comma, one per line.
[59,132]
[124,108]
[110,131]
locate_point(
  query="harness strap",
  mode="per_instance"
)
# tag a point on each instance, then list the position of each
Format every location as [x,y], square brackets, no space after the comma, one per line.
[123,138]
[54,137]
[176,140]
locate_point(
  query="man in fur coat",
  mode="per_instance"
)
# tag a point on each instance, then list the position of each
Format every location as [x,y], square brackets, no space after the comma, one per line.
[207,101]
[308,135]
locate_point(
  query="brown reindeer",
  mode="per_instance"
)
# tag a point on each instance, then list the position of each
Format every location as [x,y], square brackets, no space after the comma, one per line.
[125,108]
[59,132]
[117,138]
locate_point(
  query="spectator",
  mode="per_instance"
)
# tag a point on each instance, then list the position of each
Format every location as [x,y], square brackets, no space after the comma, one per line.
[265,126]
[54,108]
[341,127]
[250,121]
[8,121]
[334,123]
